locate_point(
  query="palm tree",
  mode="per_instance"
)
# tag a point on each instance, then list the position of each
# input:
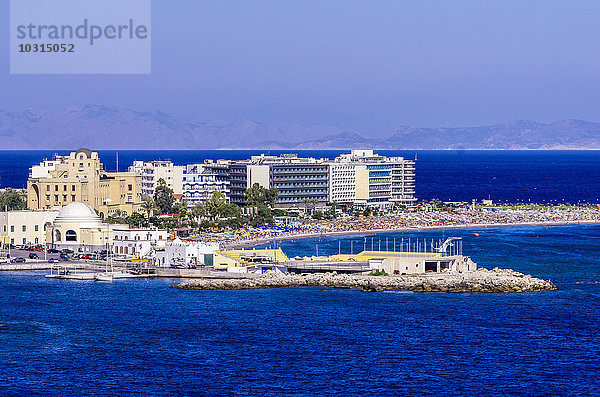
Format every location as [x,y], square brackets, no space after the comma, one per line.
[148,206]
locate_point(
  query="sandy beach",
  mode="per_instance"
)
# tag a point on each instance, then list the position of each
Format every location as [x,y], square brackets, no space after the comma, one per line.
[252,243]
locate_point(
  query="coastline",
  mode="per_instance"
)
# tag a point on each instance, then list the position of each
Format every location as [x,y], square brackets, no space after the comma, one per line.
[253,243]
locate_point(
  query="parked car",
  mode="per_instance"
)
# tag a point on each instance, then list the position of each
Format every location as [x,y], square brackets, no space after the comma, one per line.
[64,255]
[33,256]
[53,251]
[52,260]
[17,260]
[67,251]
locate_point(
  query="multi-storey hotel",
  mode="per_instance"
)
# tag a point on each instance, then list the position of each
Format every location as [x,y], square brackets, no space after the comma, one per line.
[358,178]
[200,181]
[365,178]
[153,171]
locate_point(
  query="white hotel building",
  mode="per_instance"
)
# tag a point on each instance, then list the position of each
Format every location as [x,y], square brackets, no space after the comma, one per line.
[200,181]
[153,171]
[364,178]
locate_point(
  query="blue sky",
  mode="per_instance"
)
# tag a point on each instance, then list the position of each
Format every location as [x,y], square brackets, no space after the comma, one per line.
[365,65]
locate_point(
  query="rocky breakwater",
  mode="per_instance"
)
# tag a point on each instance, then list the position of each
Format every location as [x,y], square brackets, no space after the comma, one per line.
[482,280]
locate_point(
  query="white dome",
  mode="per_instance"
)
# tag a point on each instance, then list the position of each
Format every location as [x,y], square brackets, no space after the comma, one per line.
[77,213]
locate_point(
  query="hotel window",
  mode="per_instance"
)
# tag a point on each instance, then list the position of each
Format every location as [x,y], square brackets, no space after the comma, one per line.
[129,187]
[24,240]
[24,228]
[64,197]
[47,188]
[56,197]
[72,188]
[56,188]
[36,228]
[72,197]
[47,197]
[12,228]
[65,188]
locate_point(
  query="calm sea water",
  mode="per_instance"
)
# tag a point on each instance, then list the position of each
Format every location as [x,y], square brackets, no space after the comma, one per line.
[142,337]
[537,176]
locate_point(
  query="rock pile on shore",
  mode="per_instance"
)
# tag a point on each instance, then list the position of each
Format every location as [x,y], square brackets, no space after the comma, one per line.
[482,280]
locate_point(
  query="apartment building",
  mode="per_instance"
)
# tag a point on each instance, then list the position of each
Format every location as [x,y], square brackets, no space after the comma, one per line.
[153,171]
[364,178]
[200,181]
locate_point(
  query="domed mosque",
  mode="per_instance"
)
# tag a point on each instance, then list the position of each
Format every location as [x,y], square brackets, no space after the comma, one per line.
[78,226]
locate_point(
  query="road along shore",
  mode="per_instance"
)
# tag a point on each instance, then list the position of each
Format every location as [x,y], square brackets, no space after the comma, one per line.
[482,280]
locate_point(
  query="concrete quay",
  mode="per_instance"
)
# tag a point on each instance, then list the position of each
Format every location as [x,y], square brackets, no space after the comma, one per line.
[482,280]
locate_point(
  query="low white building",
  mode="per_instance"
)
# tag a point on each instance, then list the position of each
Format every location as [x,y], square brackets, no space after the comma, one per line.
[187,253]
[142,243]
[26,227]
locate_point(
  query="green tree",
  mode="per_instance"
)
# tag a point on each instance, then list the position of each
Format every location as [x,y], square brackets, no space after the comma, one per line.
[136,220]
[148,206]
[257,195]
[163,197]
[217,210]
[12,199]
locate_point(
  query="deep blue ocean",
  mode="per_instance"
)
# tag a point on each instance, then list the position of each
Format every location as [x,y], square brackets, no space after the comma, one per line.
[141,337]
[514,176]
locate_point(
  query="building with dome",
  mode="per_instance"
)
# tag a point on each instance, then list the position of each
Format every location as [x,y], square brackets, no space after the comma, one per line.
[80,177]
[78,227]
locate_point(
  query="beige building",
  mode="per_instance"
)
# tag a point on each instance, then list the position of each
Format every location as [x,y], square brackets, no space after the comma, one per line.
[26,227]
[78,227]
[81,177]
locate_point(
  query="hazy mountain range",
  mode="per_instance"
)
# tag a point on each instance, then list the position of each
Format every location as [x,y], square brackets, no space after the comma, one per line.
[101,127]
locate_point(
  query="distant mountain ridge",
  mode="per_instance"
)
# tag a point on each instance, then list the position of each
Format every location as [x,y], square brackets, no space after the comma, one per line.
[102,127]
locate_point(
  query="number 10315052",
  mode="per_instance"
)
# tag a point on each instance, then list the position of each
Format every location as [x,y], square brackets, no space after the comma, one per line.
[46,47]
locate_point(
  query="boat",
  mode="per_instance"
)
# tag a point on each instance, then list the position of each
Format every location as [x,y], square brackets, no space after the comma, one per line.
[106,277]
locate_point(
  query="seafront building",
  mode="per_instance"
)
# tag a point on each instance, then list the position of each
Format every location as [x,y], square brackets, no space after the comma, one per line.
[185,253]
[200,181]
[26,227]
[142,243]
[80,177]
[79,228]
[364,178]
[300,181]
[153,171]
[359,178]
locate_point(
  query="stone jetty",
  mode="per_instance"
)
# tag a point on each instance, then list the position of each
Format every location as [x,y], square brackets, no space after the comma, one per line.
[483,280]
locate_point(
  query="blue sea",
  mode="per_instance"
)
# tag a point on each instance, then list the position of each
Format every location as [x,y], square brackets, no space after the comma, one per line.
[140,337]
[513,176]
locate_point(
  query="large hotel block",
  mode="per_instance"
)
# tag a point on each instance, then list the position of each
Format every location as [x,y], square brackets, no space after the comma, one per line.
[359,178]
